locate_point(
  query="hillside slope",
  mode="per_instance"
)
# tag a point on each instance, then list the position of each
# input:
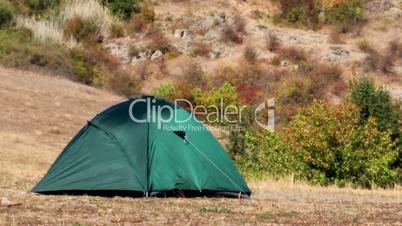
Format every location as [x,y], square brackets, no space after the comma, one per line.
[40,113]
[186,24]
[38,116]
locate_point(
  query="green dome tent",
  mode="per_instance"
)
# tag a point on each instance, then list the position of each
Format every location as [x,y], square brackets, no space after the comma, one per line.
[140,147]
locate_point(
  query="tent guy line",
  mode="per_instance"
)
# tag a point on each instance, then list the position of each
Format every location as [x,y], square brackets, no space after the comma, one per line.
[219,169]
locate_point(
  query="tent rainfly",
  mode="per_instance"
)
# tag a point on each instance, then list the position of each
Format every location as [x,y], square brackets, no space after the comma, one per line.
[116,155]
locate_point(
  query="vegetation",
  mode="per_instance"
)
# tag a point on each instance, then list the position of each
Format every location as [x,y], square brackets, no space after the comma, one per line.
[81,29]
[272,42]
[40,6]
[324,144]
[355,143]
[122,8]
[18,49]
[376,103]
[201,49]
[117,30]
[7,14]
[349,11]
[331,147]
[165,91]
[381,61]
[314,13]
[229,34]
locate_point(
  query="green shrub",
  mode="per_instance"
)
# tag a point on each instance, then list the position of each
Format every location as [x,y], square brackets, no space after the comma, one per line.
[226,93]
[124,83]
[268,155]
[117,30]
[323,144]
[93,65]
[18,49]
[7,14]
[367,158]
[296,91]
[148,14]
[296,15]
[39,6]
[165,90]
[313,12]
[81,29]
[121,8]
[334,148]
[350,11]
[376,103]
[80,68]
[305,12]
[218,99]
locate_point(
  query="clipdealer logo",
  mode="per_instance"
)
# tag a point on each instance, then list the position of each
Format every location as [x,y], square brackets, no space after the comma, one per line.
[211,114]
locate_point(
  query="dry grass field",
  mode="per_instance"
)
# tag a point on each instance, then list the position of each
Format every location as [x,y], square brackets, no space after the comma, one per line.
[39,114]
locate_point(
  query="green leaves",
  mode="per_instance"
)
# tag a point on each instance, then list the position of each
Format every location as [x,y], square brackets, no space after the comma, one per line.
[165,90]
[121,8]
[376,103]
[7,14]
[325,144]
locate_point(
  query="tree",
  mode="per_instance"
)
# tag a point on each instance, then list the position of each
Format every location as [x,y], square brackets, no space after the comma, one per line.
[376,102]
[334,147]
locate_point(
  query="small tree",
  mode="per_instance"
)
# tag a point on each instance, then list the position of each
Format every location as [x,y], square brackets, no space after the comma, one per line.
[376,102]
[334,148]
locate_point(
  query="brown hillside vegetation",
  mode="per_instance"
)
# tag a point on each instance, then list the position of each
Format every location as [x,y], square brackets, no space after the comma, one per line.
[40,113]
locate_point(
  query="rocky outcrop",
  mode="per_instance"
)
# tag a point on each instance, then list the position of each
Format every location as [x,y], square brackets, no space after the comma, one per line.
[386,8]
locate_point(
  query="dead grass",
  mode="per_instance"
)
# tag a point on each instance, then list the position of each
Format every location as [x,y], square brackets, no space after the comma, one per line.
[250,55]
[381,61]
[240,24]
[51,29]
[138,24]
[39,115]
[46,31]
[272,42]
[336,38]
[282,189]
[293,54]
[89,10]
[229,34]
[201,49]
[158,41]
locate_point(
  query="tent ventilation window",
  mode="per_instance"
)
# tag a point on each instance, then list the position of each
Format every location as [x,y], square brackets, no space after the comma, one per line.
[182,135]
